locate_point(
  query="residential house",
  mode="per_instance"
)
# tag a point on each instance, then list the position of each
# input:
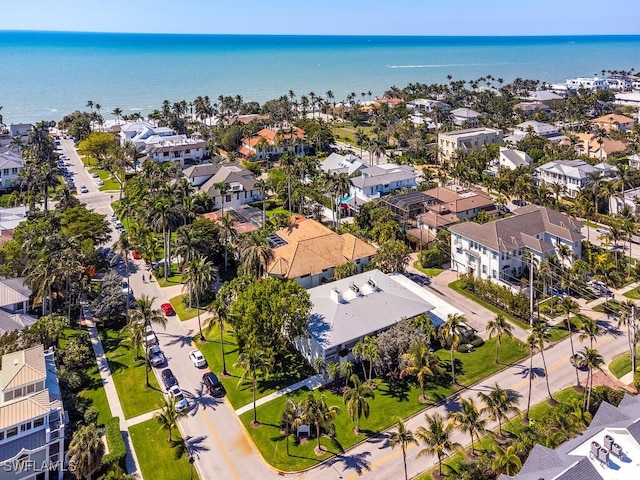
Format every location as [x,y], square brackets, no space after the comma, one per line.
[347,310]
[572,175]
[273,142]
[546,130]
[529,108]
[587,83]
[589,145]
[634,160]
[543,96]
[380,180]
[499,250]
[308,252]
[11,164]
[630,198]
[608,449]
[336,163]
[614,121]
[20,129]
[628,98]
[619,82]
[466,140]
[427,105]
[244,218]
[510,158]
[32,416]
[465,117]
[241,183]
[14,302]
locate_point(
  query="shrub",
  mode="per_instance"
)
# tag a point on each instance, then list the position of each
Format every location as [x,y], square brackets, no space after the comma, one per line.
[636,379]
[431,258]
[475,342]
[91,415]
[117,450]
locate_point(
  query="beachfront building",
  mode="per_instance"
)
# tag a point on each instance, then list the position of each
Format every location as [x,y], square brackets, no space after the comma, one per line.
[510,158]
[465,117]
[347,310]
[602,149]
[608,449]
[619,82]
[270,143]
[308,252]
[32,416]
[572,175]
[336,163]
[499,250]
[20,130]
[587,83]
[427,105]
[240,183]
[614,121]
[466,140]
[380,180]
[11,164]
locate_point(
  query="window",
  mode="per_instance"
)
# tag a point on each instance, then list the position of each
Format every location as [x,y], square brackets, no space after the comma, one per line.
[493,274]
[484,269]
[38,422]
[31,388]
[17,393]
[14,171]
[8,396]
[12,432]
[25,426]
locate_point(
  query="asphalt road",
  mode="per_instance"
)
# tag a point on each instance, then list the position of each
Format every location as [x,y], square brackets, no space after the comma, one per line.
[223,450]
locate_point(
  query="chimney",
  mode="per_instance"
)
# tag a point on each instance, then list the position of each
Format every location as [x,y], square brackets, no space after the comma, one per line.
[335,295]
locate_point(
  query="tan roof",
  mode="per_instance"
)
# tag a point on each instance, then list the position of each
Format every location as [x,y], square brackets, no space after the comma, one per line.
[22,367]
[613,118]
[27,408]
[311,248]
[608,145]
[458,202]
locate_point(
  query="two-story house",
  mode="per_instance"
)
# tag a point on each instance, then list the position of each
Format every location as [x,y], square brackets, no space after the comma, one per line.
[273,142]
[500,250]
[14,303]
[32,416]
[587,83]
[614,121]
[466,140]
[572,175]
[11,164]
[380,180]
[465,116]
[510,158]
[336,163]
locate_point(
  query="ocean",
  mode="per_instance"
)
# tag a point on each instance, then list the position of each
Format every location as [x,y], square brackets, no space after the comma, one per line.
[45,75]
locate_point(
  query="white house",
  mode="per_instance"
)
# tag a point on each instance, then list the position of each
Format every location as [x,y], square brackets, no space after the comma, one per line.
[20,129]
[336,163]
[427,105]
[11,164]
[587,83]
[619,82]
[571,174]
[465,116]
[466,140]
[498,250]
[631,199]
[510,158]
[382,179]
[634,160]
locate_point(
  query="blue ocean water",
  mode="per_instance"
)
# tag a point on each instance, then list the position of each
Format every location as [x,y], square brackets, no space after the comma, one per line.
[45,75]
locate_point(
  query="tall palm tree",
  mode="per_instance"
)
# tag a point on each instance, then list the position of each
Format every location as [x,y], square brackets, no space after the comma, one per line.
[532,341]
[223,187]
[451,333]
[122,248]
[499,403]
[542,335]
[293,417]
[436,437]
[356,400]
[506,460]
[227,234]
[569,306]
[263,186]
[422,364]
[145,314]
[86,450]
[403,437]
[254,361]
[499,327]
[198,276]
[320,414]
[589,329]
[469,419]
[256,253]
[370,353]
[220,311]
[167,416]
[628,320]
[594,362]
[164,217]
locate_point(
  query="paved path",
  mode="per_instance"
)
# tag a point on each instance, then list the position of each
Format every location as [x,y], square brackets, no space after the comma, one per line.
[110,390]
[141,418]
[311,383]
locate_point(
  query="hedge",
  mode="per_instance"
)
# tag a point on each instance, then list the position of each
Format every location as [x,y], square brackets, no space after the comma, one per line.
[117,450]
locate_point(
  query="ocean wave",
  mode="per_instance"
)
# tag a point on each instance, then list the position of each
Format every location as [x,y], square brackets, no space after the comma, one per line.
[441,65]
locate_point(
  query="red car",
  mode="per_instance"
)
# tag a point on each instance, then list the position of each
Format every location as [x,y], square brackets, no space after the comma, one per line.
[167,309]
[135,255]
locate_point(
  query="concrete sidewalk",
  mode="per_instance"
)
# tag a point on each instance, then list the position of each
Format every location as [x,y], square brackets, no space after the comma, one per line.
[110,390]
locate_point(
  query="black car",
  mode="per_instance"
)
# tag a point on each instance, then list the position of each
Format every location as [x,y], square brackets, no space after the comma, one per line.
[168,378]
[212,384]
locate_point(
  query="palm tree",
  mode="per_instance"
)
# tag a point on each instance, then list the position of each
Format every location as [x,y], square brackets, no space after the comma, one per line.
[356,400]
[254,361]
[220,311]
[256,253]
[499,404]
[403,437]
[263,186]
[437,438]
[198,276]
[451,332]
[86,450]
[469,419]
[541,333]
[136,332]
[122,248]
[589,329]
[227,234]
[422,364]
[627,319]
[144,314]
[321,415]
[370,353]
[532,341]
[569,306]
[293,417]
[117,112]
[506,461]
[164,217]
[498,327]
[167,415]
[594,361]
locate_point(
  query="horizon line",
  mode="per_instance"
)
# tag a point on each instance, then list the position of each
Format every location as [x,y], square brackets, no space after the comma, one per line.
[389,35]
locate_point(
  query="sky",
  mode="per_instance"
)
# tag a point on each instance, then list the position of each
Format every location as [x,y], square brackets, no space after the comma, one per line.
[326,17]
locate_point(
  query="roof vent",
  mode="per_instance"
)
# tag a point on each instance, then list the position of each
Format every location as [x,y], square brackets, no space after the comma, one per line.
[354,288]
[15,362]
[371,282]
[335,295]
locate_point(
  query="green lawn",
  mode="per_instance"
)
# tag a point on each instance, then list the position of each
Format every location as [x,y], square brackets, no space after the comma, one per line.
[456,286]
[157,457]
[289,371]
[400,399]
[175,277]
[621,365]
[613,305]
[182,310]
[129,377]
[88,161]
[558,333]
[633,294]
[432,272]
[277,210]
[110,185]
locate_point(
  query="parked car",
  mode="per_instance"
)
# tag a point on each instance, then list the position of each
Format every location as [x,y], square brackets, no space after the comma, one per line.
[135,255]
[602,230]
[156,357]
[168,379]
[212,384]
[519,203]
[84,189]
[126,288]
[167,309]
[95,175]
[99,182]
[197,358]
[181,402]
[504,209]
[151,339]
[556,292]
[578,360]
